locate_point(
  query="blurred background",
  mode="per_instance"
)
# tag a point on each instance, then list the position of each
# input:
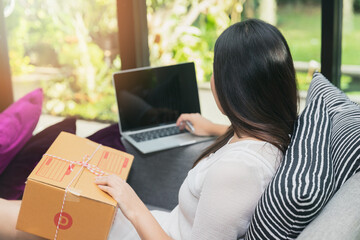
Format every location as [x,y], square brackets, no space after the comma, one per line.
[71,48]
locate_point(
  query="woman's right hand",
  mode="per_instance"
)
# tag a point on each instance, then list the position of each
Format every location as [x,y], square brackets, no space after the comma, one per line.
[202,126]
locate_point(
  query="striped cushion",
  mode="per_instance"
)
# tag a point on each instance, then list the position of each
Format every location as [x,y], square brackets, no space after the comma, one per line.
[345,131]
[303,183]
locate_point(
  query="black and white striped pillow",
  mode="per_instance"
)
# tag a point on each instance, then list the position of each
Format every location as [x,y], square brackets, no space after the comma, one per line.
[303,183]
[345,130]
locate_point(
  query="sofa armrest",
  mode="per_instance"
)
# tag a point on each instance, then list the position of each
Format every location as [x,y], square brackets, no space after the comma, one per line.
[340,218]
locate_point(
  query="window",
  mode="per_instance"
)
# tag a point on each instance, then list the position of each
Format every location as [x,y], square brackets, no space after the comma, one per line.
[70,49]
[187,30]
[181,31]
[350,79]
[301,26]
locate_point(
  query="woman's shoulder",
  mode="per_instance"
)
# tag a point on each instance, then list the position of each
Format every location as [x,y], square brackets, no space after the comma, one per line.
[250,153]
[256,161]
[235,161]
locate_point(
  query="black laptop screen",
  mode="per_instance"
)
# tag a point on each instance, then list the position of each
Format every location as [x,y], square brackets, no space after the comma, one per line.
[155,96]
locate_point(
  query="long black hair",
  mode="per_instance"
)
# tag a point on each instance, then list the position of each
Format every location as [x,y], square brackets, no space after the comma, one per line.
[255,83]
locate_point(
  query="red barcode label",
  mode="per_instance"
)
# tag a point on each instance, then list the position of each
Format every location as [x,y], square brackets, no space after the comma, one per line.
[112,162]
[54,169]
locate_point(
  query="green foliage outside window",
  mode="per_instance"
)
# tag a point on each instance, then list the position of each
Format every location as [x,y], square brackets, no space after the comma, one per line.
[75,37]
[79,40]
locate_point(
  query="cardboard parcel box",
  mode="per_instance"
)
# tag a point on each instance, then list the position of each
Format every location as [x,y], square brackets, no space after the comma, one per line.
[57,186]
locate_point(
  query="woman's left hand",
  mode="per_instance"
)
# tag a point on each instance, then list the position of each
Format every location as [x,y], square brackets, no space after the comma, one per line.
[121,191]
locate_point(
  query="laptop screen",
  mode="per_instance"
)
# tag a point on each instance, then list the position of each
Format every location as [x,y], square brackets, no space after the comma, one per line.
[154,96]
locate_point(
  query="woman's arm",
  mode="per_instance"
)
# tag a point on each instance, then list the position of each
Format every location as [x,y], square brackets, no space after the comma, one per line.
[9,211]
[132,207]
[203,126]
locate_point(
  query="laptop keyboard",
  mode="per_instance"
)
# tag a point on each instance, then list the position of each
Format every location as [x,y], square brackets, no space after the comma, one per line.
[158,133]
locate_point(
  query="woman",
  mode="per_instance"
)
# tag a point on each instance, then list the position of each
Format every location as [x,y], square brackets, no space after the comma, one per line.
[254,86]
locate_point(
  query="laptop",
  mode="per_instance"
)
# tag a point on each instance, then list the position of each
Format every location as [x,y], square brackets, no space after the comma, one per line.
[150,99]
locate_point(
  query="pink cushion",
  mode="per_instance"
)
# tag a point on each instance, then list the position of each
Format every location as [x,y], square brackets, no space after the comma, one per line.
[12,180]
[17,124]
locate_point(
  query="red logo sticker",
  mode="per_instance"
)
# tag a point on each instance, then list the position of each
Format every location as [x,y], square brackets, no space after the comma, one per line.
[65,222]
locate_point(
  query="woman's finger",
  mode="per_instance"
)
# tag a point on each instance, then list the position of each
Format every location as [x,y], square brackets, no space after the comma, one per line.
[109,190]
[114,180]
[102,180]
[183,117]
[111,180]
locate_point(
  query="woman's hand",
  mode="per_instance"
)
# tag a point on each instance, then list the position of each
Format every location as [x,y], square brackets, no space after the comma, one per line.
[202,126]
[121,191]
[132,207]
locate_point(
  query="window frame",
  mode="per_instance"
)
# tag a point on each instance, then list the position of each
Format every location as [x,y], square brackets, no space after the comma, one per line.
[331,36]
[133,33]
[6,92]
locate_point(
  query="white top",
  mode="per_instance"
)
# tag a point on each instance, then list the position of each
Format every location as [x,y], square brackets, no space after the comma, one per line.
[218,197]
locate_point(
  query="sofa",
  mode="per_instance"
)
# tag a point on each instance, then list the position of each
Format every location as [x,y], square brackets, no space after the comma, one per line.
[340,219]
[157,178]
[322,203]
